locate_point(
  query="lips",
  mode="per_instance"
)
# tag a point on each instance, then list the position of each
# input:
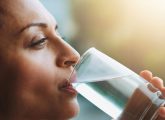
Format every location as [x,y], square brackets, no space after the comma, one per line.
[67,88]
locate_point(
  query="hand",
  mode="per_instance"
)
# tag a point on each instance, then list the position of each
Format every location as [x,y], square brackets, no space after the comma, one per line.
[158,83]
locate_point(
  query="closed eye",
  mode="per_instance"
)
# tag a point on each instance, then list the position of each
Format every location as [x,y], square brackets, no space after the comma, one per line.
[38,44]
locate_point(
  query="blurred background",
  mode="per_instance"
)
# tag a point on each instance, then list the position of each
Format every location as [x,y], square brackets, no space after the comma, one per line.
[130,31]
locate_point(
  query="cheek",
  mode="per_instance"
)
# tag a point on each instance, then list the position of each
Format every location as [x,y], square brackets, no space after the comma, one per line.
[36,88]
[36,81]
[37,70]
[37,77]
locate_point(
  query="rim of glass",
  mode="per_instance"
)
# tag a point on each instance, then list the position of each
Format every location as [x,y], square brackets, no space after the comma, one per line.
[84,56]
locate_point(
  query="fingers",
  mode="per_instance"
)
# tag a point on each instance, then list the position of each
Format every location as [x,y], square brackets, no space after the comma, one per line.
[146,74]
[162,112]
[157,82]
[163,91]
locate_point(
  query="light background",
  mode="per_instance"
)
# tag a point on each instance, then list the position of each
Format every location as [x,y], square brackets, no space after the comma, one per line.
[130,31]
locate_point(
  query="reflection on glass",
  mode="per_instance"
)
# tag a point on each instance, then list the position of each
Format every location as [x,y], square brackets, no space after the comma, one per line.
[115,89]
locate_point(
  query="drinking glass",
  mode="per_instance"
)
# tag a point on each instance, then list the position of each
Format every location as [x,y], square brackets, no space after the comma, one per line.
[114,88]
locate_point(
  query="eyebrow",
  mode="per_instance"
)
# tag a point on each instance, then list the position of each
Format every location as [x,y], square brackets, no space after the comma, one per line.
[44,25]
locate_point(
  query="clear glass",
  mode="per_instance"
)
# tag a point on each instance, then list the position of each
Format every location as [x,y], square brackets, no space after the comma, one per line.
[114,88]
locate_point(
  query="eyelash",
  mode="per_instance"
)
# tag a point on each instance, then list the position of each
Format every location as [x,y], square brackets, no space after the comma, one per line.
[38,44]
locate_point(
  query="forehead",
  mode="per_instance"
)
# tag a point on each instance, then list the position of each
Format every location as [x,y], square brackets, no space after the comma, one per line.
[19,13]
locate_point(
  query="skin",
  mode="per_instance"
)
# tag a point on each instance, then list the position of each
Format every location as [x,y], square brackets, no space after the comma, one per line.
[34,63]
[158,83]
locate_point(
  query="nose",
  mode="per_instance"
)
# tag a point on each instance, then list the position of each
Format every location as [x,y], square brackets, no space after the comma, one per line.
[67,56]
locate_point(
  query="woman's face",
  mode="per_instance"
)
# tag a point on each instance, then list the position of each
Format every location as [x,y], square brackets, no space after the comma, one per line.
[34,64]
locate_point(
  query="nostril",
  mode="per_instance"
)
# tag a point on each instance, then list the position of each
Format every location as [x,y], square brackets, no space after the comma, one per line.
[69,63]
[67,57]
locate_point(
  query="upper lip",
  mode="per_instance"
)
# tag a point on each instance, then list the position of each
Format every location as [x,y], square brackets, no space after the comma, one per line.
[67,82]
[64,84]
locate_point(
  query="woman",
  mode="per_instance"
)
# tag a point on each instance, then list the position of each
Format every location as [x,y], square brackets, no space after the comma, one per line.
[35,63]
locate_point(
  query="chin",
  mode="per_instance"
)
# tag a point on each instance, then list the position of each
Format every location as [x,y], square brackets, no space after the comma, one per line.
[72,110]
